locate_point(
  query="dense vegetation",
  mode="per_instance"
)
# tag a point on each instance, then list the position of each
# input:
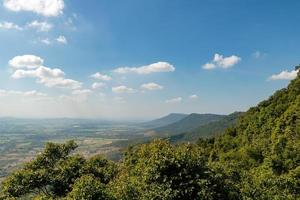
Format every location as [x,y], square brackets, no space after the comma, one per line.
[257,158]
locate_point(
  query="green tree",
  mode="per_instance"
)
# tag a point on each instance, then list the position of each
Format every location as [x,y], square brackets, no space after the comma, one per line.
[53,173]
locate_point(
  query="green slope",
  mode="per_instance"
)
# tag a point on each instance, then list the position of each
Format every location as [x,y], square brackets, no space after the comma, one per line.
[164,121]
[207,130]
[261,153]
[187,124]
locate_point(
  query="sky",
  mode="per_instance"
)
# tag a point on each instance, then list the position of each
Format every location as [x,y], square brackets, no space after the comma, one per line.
[138,59]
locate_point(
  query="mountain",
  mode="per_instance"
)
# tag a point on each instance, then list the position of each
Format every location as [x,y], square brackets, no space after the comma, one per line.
[260,154]
[187,124]
[164,121]
[208,130]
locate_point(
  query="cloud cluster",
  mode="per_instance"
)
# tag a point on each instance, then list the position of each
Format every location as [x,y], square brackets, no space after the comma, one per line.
[31,66]
[122,89]
[26,61]
[48,8]
[219,61]
[10,25]
[148,69]
[62,39]
[284,75]
[98,85]
[101,77]
[40,26]
[151,86]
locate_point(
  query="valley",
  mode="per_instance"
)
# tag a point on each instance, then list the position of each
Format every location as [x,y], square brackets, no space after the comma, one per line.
[22,139]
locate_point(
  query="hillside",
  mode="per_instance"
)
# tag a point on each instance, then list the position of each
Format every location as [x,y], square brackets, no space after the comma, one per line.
[164,121]
[262,150]
[187,124]
[207,130]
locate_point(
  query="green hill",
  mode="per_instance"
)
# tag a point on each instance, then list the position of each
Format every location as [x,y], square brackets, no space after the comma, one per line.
[207,130]
[164,121]
[187,124]
[260,154]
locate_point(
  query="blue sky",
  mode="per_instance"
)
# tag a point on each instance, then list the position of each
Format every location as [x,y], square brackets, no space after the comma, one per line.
[152,57]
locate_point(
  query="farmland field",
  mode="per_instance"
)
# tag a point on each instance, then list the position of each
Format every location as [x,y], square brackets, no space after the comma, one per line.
[22,139]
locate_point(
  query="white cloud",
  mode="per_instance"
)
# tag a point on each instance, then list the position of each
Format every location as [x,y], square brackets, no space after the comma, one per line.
[151,86]
[48,8]
[61,83]
[44,75]
[82,92]
[26,61]
[46,41]
[32,93]
[193,97]
[40,26]
[123,89]
[222,62]
[41,72]
[98,85]
[152,68]
[101,77]
[62,39]
[209,66]
[284,75]
[174,100]
[10,25]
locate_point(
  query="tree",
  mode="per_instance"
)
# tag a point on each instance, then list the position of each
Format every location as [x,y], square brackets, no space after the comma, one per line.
[53,173]
[88,187]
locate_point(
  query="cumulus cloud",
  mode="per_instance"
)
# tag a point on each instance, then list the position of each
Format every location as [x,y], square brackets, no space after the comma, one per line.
[148,69]
[193,97]
[48,8]
[123,89]
[61,83]
[33,68]
[209,66]
[151,86]
[98,85]
[10,25]
[41,72]
[40,26]
[32,93]
[101,77]
[284,75]
[174,100]
[62,39]
[219,61]
[26,61]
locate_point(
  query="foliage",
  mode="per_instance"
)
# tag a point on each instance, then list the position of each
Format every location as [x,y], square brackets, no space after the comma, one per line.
[54,172]
[160,170]
[257,158]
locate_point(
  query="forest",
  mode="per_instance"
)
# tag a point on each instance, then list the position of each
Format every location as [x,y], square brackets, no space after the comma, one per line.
[256,158]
